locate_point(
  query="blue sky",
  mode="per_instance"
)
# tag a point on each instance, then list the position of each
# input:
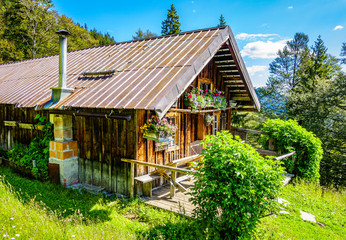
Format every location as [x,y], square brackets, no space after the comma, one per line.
[260,27]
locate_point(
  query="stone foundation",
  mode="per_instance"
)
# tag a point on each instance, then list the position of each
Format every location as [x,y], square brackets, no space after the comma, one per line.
[63,151]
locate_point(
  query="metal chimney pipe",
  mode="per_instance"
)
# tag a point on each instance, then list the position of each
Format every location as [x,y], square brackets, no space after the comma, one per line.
[61,92]
[62,57]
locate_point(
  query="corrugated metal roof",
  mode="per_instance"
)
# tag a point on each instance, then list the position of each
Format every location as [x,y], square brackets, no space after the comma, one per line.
[150,74]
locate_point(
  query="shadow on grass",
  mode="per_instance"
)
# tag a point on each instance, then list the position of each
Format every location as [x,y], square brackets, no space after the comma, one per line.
[65,202]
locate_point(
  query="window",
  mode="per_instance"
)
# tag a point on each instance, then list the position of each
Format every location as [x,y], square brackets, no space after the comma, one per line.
[205,86]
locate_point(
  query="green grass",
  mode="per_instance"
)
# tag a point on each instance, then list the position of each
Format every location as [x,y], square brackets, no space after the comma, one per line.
[329,208]
[37,210]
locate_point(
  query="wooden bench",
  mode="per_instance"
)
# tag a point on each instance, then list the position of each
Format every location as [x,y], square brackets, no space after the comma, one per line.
[146,181]
[162,171]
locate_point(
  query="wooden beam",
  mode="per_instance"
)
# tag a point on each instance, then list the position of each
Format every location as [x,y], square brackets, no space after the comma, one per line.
[248,131]
[184,171]
[229,65]
[266,152]
[227,71]
[223,55]
[241,98]
[197,111]
[285,156]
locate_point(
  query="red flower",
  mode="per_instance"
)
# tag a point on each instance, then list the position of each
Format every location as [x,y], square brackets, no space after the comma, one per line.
[190,96]
[206,90]
[203,95]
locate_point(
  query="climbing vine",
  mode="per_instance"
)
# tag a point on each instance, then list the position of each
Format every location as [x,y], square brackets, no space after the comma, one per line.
[35,156]
[289,136]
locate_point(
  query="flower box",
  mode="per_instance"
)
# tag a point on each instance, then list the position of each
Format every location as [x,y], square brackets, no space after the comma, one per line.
[199,99]
[158,136]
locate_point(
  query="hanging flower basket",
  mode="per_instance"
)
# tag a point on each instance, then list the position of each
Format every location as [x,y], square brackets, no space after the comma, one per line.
[158,136]
[208,119]
[158,130]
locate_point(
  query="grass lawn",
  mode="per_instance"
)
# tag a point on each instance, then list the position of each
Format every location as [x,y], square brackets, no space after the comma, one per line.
[30,209]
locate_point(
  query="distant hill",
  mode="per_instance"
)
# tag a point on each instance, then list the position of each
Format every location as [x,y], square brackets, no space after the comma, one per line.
[27,30]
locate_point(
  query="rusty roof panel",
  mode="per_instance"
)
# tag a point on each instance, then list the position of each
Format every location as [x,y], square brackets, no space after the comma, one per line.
[149,74]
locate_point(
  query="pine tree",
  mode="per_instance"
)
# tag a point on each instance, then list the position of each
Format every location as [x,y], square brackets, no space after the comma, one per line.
[171,25]
[343,53]
[143,35]
[222,21]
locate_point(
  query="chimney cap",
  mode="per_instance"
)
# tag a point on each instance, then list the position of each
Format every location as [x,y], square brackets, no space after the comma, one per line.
[62,32]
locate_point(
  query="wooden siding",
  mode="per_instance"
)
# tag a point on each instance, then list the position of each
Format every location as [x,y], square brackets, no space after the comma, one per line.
[102,143]
[12,135]
[191,128]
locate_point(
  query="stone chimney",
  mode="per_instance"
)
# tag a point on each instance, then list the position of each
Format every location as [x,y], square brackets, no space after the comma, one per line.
[61,91]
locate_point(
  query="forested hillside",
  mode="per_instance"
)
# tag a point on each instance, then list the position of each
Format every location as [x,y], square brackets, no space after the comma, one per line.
[27,30]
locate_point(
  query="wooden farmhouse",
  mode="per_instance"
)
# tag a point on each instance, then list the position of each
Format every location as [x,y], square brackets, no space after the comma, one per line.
[99,98]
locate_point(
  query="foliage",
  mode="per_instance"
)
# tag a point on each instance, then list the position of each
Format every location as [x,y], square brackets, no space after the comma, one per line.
[171,25]
[306,84]
[343,53]
[102,38]
[234,187]
[323,112]
[197,99]
[157,125]
[143,35]
[38,150]
[222,21]
[288,136]
[3,154]
[80,38]
[27,30]
[208,119]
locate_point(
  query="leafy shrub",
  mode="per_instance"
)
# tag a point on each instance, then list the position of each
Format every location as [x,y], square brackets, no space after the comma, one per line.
[234,187]
[37,150]
[3,154]
[288,136]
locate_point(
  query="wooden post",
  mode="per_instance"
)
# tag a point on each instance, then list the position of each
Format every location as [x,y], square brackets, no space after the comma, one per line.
[271,144]
[132,180]
[173,176]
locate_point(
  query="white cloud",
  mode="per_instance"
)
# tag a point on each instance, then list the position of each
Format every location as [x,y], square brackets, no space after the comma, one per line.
[259,75]
[256,69]
[261,49]
[290,7]
[249,36]
[339,27]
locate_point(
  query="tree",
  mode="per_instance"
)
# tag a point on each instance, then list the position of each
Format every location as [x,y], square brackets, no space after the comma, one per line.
[79,38]
[31,24]
[171,25]
[222,21]
[143,35]
[343,53]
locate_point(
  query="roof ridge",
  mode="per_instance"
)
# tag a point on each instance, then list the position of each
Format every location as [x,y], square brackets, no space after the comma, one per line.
[111,44]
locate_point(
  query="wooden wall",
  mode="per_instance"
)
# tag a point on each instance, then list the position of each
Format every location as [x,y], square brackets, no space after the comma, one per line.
[191,128]
[12,135]
[102,143]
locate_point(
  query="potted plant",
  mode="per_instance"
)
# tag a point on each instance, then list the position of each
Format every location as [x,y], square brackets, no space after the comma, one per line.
[208,119]
[158,130]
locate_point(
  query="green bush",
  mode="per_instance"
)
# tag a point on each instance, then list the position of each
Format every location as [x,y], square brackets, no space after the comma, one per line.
[37,150]
[288,136]
[234,187]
